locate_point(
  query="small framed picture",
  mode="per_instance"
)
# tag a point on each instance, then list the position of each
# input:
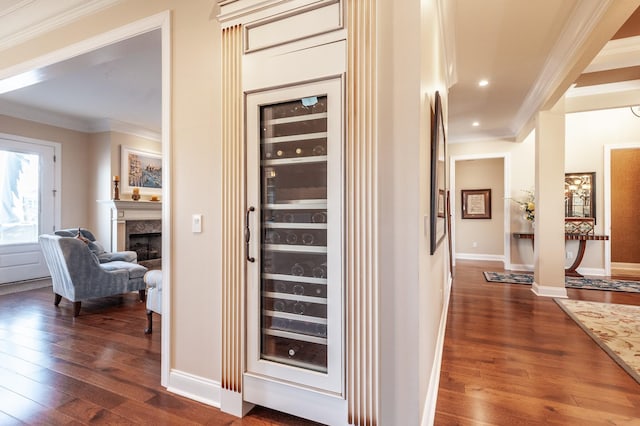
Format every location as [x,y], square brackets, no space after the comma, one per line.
[476,203]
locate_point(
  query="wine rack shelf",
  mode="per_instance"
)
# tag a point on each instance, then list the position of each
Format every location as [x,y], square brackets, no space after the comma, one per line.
[299,160]
[285,248]
[294,225]
[295,138]
[294,278]
[295,336]
[296,297]
[298,205]
[296,119]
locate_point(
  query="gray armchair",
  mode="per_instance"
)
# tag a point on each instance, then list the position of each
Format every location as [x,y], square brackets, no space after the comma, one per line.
[96,247]
[78,275]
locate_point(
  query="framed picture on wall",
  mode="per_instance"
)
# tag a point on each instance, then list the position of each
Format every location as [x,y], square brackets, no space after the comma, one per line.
[140,169]
[476,203]
[438,222]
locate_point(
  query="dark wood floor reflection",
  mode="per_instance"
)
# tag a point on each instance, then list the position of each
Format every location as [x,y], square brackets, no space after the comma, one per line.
[97,368]
[513,358]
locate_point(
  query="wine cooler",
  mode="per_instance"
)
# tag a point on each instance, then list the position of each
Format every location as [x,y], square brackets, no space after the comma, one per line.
[294,229]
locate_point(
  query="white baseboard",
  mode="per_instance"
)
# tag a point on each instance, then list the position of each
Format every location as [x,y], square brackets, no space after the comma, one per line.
[194,387]
[598,272]
[231,402]
[480,256]
[24,285]
[429,409]
[549,291]
[520,267]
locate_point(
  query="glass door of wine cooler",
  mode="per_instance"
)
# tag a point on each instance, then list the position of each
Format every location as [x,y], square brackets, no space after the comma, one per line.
[295,284]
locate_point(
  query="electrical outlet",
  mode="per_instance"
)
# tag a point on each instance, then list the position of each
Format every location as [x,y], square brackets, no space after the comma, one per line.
[569,255]
[474,244]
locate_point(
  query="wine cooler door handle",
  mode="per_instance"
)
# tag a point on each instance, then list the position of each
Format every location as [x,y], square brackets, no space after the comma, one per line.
[247,234]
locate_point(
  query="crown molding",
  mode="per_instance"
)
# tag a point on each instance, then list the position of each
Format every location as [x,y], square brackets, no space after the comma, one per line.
[448,40]
[42,116]
[599,101]
[17,6]
[69,122]
[583,21]
[234,12]
[620,53]
[56,20]
[600,89]
[108,125]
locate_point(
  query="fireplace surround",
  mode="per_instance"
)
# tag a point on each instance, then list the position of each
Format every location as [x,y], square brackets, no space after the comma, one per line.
[137,226]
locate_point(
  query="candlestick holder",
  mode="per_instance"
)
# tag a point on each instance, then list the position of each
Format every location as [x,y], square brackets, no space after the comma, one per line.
[116,191]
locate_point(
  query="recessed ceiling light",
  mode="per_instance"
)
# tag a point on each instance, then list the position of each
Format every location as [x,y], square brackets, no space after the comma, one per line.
[483,83]
[475,124]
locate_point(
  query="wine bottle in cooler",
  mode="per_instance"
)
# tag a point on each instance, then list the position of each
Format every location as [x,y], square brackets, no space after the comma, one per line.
[319,217]
[319,150]
[291,237]
[307,238]
[319,271]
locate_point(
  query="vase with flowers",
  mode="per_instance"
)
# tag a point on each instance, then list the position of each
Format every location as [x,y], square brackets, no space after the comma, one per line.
[528,206]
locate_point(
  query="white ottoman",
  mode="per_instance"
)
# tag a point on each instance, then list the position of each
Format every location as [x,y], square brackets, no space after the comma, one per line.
[153,279]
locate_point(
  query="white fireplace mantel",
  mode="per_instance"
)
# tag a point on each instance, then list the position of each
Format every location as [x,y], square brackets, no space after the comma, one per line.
[123,211]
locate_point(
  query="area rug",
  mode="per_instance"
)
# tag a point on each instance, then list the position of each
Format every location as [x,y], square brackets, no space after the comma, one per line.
[616,328]
[571,282]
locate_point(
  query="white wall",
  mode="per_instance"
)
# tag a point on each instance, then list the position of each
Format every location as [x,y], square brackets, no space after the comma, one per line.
[195,177]
[412,283]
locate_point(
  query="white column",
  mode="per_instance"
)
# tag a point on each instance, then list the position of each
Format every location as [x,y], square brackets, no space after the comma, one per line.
[549,223]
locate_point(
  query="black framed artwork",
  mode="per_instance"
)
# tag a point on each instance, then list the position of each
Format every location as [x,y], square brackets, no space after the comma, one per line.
[438,222]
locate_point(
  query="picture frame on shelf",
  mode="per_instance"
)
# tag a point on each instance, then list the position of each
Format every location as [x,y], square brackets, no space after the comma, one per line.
[476,203]
[438,219]
[140,169]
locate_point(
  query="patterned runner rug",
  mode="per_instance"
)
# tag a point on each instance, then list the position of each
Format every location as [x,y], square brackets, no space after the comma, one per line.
[571,282]
[613,327]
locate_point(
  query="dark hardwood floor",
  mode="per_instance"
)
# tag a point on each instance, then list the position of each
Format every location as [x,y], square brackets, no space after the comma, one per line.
[98,368]
[510,358]
[513,358]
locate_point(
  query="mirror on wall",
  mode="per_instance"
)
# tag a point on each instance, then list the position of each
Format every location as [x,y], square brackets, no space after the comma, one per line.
[579,195]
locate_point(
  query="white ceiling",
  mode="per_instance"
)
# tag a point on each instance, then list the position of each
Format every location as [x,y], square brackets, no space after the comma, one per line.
[525,49]
[115,87]
[520,46]
[119,83]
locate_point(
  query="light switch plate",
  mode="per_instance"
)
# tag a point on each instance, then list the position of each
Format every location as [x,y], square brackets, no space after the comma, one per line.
[196,223]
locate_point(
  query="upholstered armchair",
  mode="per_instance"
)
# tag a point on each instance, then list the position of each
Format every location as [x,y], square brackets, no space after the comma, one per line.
[97,248]
[78,275]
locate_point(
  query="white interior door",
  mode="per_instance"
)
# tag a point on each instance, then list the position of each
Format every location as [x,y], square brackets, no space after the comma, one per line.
[27,206]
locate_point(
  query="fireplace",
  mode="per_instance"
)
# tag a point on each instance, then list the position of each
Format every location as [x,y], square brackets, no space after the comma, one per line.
[137,226]
[148,246]
[145,238]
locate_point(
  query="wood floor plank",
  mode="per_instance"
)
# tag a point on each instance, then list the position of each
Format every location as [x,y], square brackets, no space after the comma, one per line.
[511,357]
[97,368]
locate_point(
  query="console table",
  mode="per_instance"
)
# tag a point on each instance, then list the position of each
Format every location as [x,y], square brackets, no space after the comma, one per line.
[583,238]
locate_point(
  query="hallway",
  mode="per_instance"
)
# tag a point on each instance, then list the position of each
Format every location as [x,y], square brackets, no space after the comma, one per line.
[512,358]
